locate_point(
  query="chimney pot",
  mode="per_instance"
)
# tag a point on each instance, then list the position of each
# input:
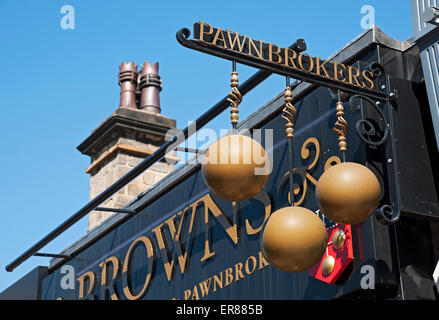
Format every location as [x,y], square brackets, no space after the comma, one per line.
[128,82]
[150,86]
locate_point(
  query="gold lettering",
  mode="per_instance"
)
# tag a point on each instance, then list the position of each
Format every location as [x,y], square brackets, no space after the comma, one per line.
[187,294]
[262,261]
[87,292]
[247,269]
[311,62]
[353,76]
[238,271]
[339,72]
[109,286]
[252,44]
[231,230]
[202,24]
[216,281]
[276,53]
[168,264]
[265,199]
[236,39]
[365,76]
[321,67]
[207,253]
[195,294]
[204,287]
[289,59]
[232,274]
[127,266]
[229,276]
[217,37]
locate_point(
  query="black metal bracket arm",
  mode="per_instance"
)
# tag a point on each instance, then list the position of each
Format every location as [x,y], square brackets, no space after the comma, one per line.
[116,210]
[58,256]
[190,150]
[183,38]
[52,255]
[281,69]
[382,128]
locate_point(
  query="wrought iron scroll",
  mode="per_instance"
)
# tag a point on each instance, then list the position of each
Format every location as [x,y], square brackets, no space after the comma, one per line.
[365,128]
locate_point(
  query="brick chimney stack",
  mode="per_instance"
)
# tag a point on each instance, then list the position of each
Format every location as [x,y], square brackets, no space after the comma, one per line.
[134,131]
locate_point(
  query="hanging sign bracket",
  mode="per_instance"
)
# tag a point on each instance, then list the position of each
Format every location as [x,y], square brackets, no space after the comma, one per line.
[297,64]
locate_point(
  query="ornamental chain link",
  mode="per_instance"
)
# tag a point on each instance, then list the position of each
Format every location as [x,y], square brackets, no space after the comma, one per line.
[289,113]
[235,98]
[341,127]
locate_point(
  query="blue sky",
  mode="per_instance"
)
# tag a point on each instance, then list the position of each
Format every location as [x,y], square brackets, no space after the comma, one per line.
[57,85]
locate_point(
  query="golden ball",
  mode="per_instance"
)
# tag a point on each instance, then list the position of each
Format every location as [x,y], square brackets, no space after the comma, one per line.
[348,193]
[294,239]
[328,265]
[236,167]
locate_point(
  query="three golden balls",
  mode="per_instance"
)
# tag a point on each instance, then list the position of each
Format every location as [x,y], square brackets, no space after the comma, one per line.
[348,193]
[236,167]
[294,239]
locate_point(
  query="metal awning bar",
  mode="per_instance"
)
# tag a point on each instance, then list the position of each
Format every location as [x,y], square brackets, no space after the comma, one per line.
[210,114]
[190,150]
[117,210]
[51,255]
[183,38]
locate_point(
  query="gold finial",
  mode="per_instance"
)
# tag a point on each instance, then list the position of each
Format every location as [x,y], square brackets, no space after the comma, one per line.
[289,113]
[235,98]
[341,127]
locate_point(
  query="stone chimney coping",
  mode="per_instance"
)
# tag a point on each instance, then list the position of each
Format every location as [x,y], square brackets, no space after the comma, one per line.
[149,122]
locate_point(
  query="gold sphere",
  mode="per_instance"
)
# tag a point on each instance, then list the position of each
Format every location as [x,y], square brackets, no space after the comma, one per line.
[348,193]
[294,239]
[338,239]
[328,265]
[236,167]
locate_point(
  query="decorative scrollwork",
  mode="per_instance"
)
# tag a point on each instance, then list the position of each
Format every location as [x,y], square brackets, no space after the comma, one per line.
[304,172]
[376,69]
[387,215]
[365,128]
[289,113]
[235,98]
[332,161]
